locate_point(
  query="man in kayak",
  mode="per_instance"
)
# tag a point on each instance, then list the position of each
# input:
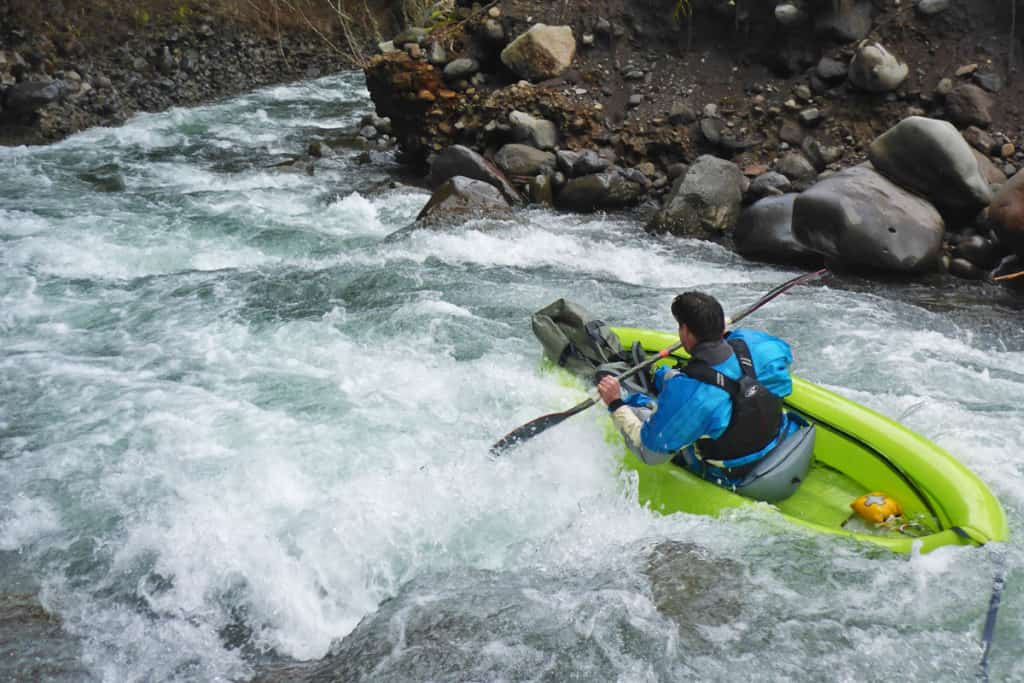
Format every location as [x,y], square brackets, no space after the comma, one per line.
[722,414]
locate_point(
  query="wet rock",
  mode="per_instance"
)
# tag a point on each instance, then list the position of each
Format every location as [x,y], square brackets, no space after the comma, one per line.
[863,221]
[980,251]
[459,160]
[968,105]
[765,233]
[1006,214]
[105,178]
[703,203]
[875,69]
[522,160]
[542,52]
[539,133]
[607,190]
[931,158]
[460,199]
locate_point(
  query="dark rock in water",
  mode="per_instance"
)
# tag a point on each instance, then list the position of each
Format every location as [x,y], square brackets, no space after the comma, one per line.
[980,251]
[461,198]
[686,586]
[610,189]
[34,645]
[863,221]
[703,203]
[765,233]
[105,178]
[459,160]
[964,269]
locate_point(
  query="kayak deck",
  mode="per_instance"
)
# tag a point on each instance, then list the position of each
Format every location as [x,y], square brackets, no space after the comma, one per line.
[857,451]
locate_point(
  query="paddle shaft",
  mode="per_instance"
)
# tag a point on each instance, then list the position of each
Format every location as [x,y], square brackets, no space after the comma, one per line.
[545,422]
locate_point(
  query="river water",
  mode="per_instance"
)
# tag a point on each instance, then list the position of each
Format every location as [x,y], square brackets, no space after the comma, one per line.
[244,435]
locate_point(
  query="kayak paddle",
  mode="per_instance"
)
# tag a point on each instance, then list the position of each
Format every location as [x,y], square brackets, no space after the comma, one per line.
[545,422]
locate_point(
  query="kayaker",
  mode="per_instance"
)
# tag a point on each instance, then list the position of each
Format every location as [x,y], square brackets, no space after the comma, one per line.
[709,417]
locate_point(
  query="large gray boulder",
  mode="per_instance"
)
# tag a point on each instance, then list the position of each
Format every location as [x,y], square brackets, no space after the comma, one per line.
[460,199]
[703,203]
[459,160]
[542,52]
[864,221]
[931,158]
[523,160]
[607,190]
[765,233]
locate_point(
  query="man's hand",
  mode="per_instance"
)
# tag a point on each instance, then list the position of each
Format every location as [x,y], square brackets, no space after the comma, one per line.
[609,390]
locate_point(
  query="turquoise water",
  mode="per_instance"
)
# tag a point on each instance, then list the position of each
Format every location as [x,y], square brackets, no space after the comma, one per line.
[243,435]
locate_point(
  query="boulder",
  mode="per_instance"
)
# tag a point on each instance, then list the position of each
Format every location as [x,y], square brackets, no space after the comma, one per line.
[523,160]
[931,158]
[769,184]
[703,203]
[607,190]
[863,221]
[765,233]
[31,96]
[969,105]
[875,69]
[537,132]
[542,52]
[1006,214]
[462,68]
[459,199]
[459,160]
[588,161]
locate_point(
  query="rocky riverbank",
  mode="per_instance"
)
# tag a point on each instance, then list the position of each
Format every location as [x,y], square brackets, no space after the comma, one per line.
[65,67]
[742,123]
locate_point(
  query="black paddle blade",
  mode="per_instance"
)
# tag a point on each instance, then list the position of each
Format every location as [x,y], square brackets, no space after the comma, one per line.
[535,427]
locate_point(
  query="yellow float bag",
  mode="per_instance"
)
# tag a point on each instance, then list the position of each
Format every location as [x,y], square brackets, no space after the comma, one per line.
[876,507]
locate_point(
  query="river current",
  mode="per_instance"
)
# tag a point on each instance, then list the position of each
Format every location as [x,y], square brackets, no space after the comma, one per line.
[243,435]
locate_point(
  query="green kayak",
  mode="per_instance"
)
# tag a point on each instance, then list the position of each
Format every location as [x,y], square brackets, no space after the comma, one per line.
[856,452]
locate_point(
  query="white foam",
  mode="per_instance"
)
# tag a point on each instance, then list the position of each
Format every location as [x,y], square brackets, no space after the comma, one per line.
[25,520]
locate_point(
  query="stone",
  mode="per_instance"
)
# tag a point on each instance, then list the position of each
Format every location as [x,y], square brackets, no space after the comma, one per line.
[788,14]
[542,52]
[30,96]
[979,251]
[522,160]
[458,69]
[319,149]
[539,133]
[459,199]
[458,160]
[682,113]
[810,117]
[931,158]
[764,232]
[769,184]
[991,82]
[607,190]
[820,155]
[1007,150]
[992,174]
[944,87]
[832,71]
[541,190]
[863,221]
[980,139]
[791,132]
[588,162]
[931,7]
[703,203]
[796,167]
[635,100]
[875,69]
[969,105]
[1006,214]
[436,54]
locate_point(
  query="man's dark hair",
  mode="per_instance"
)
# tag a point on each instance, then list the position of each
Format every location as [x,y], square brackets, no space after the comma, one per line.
[701,313]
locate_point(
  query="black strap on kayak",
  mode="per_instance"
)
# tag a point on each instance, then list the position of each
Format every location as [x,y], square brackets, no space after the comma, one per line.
[998,584]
